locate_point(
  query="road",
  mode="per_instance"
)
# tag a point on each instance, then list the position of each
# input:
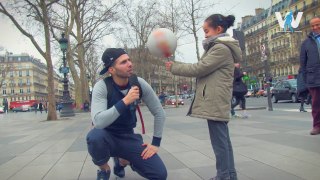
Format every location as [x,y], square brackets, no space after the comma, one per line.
[281,105]
[268,145]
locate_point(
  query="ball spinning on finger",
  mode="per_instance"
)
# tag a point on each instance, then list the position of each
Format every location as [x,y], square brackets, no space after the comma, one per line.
[162,43]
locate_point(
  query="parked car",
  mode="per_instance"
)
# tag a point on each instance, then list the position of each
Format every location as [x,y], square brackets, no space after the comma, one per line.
[259,93]
[23,108]
[285,90]
[27,105]
[171,100]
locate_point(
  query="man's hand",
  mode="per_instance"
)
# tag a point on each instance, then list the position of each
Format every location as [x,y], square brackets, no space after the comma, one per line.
[168,65]
[149,151]
[132,95]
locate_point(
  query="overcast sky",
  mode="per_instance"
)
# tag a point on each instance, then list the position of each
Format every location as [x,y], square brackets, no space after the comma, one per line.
[12,40]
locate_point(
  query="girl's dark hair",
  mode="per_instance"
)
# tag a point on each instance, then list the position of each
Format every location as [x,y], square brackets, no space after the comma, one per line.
[216,20]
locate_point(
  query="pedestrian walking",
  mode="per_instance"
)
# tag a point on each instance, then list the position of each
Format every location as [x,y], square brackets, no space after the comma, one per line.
[310,69]
[214,73]
[113,116]
[35,105]
[86,106]
[5,105]
[239,91]
[41,107]
[302,92]
[46,106]
[162,98]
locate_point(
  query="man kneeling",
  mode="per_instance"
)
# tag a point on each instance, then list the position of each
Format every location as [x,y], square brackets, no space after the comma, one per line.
[113,116]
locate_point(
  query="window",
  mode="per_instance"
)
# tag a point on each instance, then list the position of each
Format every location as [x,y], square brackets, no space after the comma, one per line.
[4,91]
[28,90]
[12,91]
[279,85]
[20,73]
[27,73]
[11,83]
[28,81]
[21,91]
[11,73]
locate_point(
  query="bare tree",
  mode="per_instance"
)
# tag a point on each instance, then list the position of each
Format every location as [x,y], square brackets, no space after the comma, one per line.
[139,19]
[85,23]
[93,64]
[195,11]
[4,71]
[35,13]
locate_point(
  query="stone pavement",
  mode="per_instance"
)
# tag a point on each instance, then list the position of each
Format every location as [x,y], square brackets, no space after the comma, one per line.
[268,145]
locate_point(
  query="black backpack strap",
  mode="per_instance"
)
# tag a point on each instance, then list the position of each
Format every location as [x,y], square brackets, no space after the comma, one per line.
[139,86]
[108,81]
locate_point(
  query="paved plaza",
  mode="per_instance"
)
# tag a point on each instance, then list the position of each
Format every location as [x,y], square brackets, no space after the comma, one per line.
[268,145]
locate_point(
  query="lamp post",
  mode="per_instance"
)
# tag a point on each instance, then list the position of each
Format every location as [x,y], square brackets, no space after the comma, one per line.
[264,58]
[89,80]
[67,102]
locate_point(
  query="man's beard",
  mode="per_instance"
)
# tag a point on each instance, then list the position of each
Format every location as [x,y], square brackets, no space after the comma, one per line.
[122,75]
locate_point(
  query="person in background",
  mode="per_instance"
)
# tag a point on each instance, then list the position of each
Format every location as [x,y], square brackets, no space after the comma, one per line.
[46,106]
[310,69]
[239,91]
[86,106]
[162,98]
[5,105]
[214,74]
[302,92]
[41,107]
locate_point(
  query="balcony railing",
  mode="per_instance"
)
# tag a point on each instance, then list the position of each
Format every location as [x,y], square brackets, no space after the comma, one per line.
[294,60]
[21,84]
[39,84]
[304,24]
[276,35]
[274,49]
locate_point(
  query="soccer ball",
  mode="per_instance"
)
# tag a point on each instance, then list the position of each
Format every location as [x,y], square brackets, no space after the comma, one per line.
[162,43]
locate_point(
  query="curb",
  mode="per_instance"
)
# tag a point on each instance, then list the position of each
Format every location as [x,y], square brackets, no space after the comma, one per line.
[252,108]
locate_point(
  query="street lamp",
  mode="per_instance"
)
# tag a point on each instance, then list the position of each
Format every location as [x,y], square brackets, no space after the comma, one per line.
[89,78]
[67,102]
[264,58]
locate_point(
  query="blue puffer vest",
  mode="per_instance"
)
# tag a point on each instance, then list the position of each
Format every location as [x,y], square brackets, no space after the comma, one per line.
[125,123]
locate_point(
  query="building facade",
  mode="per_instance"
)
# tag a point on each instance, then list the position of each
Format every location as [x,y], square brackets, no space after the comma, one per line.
[23,77]
[281,47]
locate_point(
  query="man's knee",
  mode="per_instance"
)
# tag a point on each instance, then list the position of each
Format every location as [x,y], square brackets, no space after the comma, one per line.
[97,139]
[95,135]
[160,173]
[163,174]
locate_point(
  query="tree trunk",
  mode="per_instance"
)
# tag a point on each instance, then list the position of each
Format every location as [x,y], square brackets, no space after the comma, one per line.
[52,113]
[76,79]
